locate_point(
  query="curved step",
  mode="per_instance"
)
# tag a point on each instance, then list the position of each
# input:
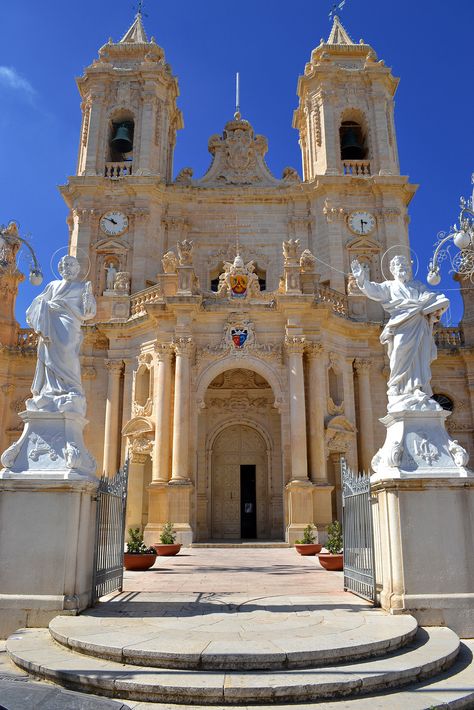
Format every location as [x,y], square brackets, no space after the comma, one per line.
[434,650]
[248,640]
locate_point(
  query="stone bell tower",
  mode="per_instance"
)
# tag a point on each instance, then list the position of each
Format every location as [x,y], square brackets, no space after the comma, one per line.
[129,109]
[345,112]
[127,139]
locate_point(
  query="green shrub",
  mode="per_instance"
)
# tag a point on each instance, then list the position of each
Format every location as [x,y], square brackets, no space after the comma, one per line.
[308,536]
[168,534]
[136,545]
[334,543]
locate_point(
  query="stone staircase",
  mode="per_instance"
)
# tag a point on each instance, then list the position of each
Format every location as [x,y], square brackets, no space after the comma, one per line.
[264,652]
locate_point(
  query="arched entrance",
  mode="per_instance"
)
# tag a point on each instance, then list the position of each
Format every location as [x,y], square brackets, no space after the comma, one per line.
[239,484]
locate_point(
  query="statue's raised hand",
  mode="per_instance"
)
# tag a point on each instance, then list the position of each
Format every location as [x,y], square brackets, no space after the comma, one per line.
[357,270]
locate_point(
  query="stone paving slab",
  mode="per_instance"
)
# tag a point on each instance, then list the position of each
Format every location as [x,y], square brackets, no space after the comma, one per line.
[263,633]
[15,695]
[434,650]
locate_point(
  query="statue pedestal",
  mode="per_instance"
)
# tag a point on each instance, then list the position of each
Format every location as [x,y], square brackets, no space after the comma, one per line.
[417,445]
[51,447]
[299,504]
[423,542]
[47,530]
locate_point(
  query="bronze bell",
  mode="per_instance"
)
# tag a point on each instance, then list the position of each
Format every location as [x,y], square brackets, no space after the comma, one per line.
[122,140]
[351,147]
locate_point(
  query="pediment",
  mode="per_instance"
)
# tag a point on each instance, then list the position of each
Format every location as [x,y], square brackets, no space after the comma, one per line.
[137,426]
[362,244]
[111,246]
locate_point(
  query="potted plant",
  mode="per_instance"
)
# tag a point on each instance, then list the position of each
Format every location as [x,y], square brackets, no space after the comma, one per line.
[309,544]
[138,556]
[333,559]
[168,545]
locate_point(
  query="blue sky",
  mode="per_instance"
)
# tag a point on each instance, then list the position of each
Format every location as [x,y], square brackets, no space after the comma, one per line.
[46,45]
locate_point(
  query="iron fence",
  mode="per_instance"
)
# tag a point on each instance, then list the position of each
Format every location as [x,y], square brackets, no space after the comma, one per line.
[110,533]
[359,557]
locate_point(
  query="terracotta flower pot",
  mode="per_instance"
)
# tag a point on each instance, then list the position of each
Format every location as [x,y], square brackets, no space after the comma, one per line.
[333,563]
[167,550]
[308,549]
[137,561]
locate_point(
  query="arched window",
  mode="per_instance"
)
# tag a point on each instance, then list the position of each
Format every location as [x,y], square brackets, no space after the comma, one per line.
[444,401]
[121,133]
[353,141]
[262,277]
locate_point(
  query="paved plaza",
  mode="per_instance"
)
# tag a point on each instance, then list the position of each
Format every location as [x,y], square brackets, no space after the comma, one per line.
[253,571]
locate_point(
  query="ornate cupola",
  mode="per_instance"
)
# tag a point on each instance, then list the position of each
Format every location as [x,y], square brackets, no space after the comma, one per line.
[130,117]
[345,112]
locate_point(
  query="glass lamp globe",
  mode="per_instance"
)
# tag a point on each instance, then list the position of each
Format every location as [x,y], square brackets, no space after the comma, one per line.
[462,239]
[433,278]
[36,277]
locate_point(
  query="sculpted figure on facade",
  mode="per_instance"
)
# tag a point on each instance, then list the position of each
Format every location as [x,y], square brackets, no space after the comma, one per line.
[169,262]
[122,282]
[9,245]
[57,315]
[307,261]
[413,311]
[111,273]
[290,249]
[185,252]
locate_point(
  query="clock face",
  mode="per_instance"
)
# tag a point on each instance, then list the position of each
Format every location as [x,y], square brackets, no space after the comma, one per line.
[361,222]
[114,223]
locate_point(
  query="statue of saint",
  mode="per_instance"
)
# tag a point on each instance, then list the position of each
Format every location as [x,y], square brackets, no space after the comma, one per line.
[56,315]
[413,311]
[111,276]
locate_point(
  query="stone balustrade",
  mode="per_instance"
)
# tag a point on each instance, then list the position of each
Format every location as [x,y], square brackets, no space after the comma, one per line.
[448,337]
[26,339]
[337,301]
[118,170]
[140,300]
[356,167]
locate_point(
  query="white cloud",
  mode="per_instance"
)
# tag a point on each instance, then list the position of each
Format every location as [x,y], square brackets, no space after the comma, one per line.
[10,78]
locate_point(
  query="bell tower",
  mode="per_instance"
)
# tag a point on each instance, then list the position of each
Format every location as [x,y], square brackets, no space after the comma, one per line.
[129,113]
[127,139]
[345,112]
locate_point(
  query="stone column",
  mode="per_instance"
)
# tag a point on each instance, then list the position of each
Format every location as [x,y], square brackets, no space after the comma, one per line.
[111,444]
[162,412]
[90,166]
[127,400]
[5,392]
[317,411]
[184,348]
[349,407]
[366,420]
[299,462]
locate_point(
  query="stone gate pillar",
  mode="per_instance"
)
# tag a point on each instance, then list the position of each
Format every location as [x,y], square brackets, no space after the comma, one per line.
[111,433]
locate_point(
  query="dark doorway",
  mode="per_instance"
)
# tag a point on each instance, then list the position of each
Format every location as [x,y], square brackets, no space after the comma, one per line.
[248,502]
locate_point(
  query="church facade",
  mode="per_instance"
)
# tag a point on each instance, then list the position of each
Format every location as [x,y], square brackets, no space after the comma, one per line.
[233,360]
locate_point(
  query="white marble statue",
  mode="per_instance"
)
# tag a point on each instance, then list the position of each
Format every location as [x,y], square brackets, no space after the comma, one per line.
[57,315]
[408,334]
[111,276]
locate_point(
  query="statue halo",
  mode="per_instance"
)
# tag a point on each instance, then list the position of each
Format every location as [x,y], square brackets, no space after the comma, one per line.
[404,250]
[62,251]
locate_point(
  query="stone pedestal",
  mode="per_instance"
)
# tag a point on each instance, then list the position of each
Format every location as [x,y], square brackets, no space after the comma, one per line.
[424,538]
[322,508]
[46,565]
[299,502]
[179,502]
[51,446]
[417,444]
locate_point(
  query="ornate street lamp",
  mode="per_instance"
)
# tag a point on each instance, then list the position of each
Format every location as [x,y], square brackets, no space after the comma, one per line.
[463,237]
[10,241]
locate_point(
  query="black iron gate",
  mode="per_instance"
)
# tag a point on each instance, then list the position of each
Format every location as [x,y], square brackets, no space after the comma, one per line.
[359,557]
[109,534]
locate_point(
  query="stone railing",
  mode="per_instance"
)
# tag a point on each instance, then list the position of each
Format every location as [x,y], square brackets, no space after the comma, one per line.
[448,337]
[140,300]
[26,339]
[356,167]
[337,301]
[118,170]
